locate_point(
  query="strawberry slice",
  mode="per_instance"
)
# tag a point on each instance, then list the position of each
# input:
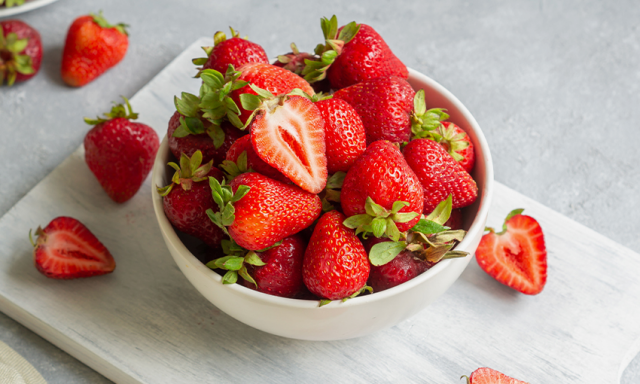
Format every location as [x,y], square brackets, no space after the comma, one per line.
[288,134]
[66,249]
[517,256]
[491,376]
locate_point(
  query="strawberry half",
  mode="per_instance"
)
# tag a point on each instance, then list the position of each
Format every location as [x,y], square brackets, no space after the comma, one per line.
[66,249]
[491,376]
[517,256]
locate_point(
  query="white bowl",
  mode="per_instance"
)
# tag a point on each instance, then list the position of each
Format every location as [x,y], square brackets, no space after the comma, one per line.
[303,319]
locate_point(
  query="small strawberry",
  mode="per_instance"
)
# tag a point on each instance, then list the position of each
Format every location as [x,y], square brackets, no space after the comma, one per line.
[404,267]
[66,249]
[344,134]
[440,174]
[288,134]
[335,263]
[490,376]
[257,211]
[385,106]
[269,77]
[234,164]
[235,51]
[120,152]
[92,47]
[517,256]
[20,51]
[187,198]
[380,180]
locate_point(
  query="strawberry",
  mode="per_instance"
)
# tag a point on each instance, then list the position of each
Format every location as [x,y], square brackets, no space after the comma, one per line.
[20,51]
[288,134]
[92,47]
[235,51]
[455,220]
[404,267]
[344,134]
[202,142]
[382,177]
[257,211]
[458,144]
[187,198]
[491,376]
[440,174]
[120,152]
[235,165]
[385,106]
[517,256]
[268,77]
[335,265]
[66,249]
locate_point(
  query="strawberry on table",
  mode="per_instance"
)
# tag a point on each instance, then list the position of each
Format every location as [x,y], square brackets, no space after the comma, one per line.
[235,51]
[91,48]
[66,249]
[120,152]
[20,52]
[490,376]
[517,256]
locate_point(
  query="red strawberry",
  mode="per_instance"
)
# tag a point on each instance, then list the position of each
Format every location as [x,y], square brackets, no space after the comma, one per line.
[385,105]
[344,134]
[120,152]
[288,134]
[439,174]
[66,249]
[455,220]
[382,174]
[268,77]
[402,268]
[253,163]
[187,198]
[202,142]
[491,376]
[517,256]
[335,263]
[92,47]
[20,51]
[282,273]
[456,142]
[235,51]
[263,211]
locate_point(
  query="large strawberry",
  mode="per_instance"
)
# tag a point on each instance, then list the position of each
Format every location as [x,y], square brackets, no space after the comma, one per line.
[66,249]
[517,256]
[120,152]
[235,51]
[20,51]
[237,163]
[382,177]
[257,211]
[91,48]
[335,263]
[288,134]
[187,198]
[491,376]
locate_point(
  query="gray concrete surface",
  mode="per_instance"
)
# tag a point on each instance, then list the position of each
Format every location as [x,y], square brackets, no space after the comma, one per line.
[554,84]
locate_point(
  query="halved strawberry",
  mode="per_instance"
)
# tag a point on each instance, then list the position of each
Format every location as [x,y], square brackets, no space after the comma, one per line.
[66,249]
[491,376]
[517,256]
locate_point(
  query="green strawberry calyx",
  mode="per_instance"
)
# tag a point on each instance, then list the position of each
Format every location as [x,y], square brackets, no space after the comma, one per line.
[103,23]
[453,142]
[12,61]
[235,169]
[218,38]
[380,221]
[295,61]
[189,171]
[332,191]
[515,212]
[223,196]
[117,111]
[424,122]
[365,288]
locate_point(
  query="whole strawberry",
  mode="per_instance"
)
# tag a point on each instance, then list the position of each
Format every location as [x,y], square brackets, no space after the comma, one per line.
[382,175]
[452,138]
[335,263]
[344,134]
[258,211]
[251,162]
[440,175]
[401,269]
[20,51]
[491,376]
[120,152]
[187,198]
[92,47]
[235,51]
[66,249]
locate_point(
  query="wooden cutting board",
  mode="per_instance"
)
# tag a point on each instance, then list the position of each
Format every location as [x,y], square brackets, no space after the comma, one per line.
[146,324]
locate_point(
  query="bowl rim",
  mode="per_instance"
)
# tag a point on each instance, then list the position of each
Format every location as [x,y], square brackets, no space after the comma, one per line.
[476,226]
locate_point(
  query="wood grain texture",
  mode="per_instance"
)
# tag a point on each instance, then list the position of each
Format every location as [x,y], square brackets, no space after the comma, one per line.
[146,324]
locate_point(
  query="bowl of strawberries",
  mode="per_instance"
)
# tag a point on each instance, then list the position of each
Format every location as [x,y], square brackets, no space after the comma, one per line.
[323,196]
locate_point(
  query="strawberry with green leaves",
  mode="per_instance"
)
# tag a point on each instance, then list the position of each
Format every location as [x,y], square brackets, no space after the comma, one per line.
[20,52]
[402,268]
[235,51]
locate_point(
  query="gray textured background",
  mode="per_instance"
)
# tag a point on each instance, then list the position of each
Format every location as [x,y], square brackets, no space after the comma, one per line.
[554,84]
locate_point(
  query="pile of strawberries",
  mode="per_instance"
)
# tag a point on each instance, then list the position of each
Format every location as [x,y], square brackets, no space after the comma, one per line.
[323,175]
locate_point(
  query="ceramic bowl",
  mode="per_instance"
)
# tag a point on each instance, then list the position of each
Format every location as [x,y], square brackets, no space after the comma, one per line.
[303,319]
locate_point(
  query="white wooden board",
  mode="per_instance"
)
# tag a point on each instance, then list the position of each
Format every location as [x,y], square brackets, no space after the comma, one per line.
[146,324]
